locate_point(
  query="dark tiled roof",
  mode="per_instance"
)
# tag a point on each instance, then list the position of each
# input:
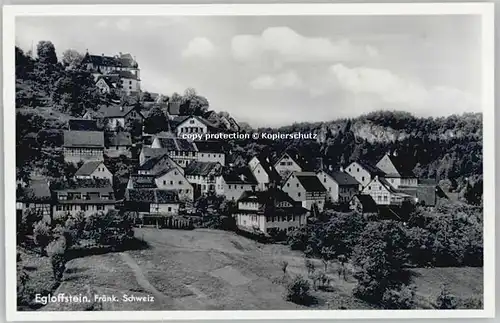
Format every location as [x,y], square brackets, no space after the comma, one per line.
[427,181]
[239,176]
[126,75]
[343,179]
[149,152]
[265,162]
[84,139]
[82,124]
[403,165]
[158,165]
[111,80]
[209,146]
[424,193]
[36,191]
[202,168]
[152,196]
[265,197]
[367,202]
[88,168]
[123,60]
[310,182]
[119,139]
[371,168]
[176,144]
[84,185]
[116,111]
[143,181]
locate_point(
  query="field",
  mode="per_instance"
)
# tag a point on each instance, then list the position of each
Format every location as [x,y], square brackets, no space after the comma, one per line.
[217,270]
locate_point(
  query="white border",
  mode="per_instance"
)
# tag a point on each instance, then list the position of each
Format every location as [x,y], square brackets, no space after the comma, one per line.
[485,10]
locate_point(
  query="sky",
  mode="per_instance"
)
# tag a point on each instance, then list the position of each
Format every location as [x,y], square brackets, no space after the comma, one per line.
[273,71]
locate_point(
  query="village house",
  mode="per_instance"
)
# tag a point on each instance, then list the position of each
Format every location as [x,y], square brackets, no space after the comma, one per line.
[100,65]
[264,172]
[118,116]
[288,163]
[202,176]
[152,202]
[118,144]
[173,110]
[383,193]
[37,196]
[427,192]
[210,151]
[305,187]
[185,125]
[94,170]
[233,182]
[398,170]
[182,151]
[363,172]
[82,124]
[268,211]
[83,146]
[87,196]
[130,83]
[365,205]
[148,152]
[168,175]
[341,186]
[108,84]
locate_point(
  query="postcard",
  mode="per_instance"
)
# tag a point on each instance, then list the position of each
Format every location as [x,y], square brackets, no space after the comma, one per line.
[292,161]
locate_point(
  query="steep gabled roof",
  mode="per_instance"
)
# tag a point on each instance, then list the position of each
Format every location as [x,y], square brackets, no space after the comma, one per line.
[370,168]
[310,182]
[367,202]
[266,197]
[239,176]
[91,139]
[265,162]
[158,164]
[84,185]
[149,152]
[343,179]
[174,108]
[117,111]
[202,168]
[88,168]
[403,165]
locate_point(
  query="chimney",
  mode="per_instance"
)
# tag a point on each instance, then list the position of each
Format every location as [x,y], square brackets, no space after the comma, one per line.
[242,177]
[341,169]
[121,108]
[330,167]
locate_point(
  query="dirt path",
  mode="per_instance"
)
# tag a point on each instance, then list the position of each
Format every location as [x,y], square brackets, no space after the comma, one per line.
[144,283]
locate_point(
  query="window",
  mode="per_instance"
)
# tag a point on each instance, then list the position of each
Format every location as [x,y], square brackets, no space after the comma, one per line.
[298,194]
[362,178]
[282,163]
[379,198]
[380,188]
[164,182]
[370,187]
[171,182]
[180,182]
[297,184]
[241,186]
[191,121]
[58,207]
[287,184]
[169,209]
[100,207]
[385,198]
[129,82]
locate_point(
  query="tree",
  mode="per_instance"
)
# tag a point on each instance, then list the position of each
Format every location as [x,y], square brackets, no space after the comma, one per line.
[284,266]
[56,251]
[298,291]
[46,52]
[71,58]
[156,121]
[146,97]
[42,235]
[381,257]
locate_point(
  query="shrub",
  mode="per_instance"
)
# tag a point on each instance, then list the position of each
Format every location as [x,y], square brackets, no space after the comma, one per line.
[446,300]
[470,303]
[42,235]
[56,250]
[298,291]
[402,298]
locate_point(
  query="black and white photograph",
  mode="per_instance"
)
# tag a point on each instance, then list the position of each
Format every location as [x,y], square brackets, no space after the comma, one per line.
[229,160]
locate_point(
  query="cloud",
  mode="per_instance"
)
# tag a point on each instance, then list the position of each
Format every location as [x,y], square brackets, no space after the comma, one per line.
[286,80]
[285,44]
[395,90]
[199,47]
[123,24]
